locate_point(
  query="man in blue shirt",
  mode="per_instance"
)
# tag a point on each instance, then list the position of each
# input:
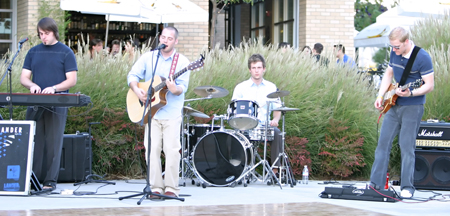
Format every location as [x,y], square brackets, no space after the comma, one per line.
[343,58]
[404,118]
[166,123]
[49,68]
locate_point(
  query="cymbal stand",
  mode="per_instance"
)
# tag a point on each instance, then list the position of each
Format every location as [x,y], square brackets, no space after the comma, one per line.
[186,172]
[266,166]
[284,159]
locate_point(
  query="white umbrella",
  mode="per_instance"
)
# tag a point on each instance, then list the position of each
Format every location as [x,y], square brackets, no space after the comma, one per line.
[106,7]
[166,11]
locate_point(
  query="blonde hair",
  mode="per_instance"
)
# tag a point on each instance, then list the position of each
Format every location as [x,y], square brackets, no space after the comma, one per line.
[399,33]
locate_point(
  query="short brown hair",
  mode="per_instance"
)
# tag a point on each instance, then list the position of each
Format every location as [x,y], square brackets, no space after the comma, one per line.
[256,58]
[399,33]
[48,24]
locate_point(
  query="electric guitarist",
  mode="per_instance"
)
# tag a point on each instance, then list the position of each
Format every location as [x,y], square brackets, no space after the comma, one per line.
[408,63]
[166,123]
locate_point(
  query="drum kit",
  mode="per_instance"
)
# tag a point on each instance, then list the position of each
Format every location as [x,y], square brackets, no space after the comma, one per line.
[216,156]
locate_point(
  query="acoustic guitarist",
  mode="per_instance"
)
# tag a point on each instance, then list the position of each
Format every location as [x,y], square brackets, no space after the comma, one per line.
[402,119]
[166,123]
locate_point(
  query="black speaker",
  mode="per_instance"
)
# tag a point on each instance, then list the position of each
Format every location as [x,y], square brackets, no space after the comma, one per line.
[75,158]
[432,170]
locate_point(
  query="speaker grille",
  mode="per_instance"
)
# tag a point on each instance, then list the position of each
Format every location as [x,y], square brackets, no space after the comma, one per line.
[440,169]
[432,169]
[421,169]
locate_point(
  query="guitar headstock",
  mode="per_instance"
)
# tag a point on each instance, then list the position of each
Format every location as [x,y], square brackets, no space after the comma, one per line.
[196,64]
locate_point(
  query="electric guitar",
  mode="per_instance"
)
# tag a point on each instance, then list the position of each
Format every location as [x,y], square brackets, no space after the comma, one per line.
[390,97]
[136,107]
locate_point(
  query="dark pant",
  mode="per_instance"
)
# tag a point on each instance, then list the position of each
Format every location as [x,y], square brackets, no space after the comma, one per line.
[276,147]
[48,141]
[403,121]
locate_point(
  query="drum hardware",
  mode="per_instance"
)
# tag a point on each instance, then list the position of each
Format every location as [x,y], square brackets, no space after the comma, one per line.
[259,134]
[192,112]
[242,114]
[185,143]
[278,94]
[283,156]
[211,91]
[221,117]
[222,158]
[208,92]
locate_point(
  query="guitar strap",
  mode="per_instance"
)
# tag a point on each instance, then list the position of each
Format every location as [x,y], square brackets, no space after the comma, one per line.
[408,67]
[174,64]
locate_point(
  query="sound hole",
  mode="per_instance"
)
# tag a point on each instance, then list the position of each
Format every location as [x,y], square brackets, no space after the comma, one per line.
[441,170]
[421,169]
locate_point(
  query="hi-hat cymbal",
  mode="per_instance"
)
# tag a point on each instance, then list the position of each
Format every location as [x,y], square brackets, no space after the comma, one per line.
[278,94]
[211,91]
[285,109]
[192,112]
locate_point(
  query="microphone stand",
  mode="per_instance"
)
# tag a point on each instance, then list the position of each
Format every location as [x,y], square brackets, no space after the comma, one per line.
[147,191]
[10,82]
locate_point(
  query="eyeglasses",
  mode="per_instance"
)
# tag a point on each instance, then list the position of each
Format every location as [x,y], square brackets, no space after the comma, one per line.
[395,47]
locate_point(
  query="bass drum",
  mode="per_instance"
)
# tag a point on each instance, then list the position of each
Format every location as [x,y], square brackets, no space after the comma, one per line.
[221,157]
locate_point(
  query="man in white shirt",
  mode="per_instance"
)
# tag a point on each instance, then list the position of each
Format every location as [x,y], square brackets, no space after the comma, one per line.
[256,89]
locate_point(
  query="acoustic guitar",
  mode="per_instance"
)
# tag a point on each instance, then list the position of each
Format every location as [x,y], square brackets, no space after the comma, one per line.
[390,97]
[136,107]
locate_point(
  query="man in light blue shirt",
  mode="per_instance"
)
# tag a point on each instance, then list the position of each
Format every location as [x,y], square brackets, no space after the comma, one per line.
[257,88]
[343,58]
[166,123]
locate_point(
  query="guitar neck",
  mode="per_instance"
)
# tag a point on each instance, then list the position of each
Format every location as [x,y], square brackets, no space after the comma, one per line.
[391,93]
[175,76]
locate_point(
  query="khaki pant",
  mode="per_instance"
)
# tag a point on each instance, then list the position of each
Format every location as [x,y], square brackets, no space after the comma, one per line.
[165,136]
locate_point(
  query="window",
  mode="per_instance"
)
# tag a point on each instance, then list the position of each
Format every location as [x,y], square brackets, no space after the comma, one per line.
[257,25]
[284,21]
[7,25]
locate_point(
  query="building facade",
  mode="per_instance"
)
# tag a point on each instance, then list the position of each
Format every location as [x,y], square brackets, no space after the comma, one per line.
[298,22]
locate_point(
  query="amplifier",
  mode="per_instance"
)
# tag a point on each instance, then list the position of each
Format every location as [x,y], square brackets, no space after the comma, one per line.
[76,156]
[433,135]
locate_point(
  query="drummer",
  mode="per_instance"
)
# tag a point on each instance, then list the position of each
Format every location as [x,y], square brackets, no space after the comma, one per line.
[257,88]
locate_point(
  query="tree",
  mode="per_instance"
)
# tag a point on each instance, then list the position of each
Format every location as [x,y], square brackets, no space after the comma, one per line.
[215,12]
[367,12]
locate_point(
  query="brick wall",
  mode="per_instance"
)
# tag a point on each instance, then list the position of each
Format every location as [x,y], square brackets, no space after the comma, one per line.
[193,37]
[26,17]
[328,22]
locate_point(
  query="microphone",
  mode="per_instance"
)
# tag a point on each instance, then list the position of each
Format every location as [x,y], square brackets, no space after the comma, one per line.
[162,46]
[23,40]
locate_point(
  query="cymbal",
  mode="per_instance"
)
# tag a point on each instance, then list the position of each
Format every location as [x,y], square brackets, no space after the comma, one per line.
[211,91]
[192,112]
[285,109]
[278,94]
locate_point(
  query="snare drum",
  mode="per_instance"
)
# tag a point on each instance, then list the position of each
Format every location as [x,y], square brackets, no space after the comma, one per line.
[221,157]
[258,133]
[242,114]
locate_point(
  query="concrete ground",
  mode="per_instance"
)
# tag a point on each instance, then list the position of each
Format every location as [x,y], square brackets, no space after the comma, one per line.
[256,199]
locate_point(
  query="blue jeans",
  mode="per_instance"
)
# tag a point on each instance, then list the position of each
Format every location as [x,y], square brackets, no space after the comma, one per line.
[403,121]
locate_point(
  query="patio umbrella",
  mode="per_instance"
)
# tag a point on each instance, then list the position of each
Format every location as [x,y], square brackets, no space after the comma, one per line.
[165,11]
[105,7]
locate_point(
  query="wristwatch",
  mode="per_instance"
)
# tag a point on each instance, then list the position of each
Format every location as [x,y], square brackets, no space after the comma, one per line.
[411,95]
[54,88]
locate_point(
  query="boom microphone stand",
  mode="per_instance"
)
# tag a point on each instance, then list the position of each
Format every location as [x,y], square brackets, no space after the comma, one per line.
[147,191]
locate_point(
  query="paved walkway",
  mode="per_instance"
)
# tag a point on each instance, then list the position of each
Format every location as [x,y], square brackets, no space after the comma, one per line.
[255,199]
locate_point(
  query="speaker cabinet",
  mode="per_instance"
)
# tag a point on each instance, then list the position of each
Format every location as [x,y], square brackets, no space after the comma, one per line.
[75,158]
[432,170]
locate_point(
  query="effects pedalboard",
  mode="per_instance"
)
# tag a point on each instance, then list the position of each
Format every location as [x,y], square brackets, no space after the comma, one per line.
[354,193]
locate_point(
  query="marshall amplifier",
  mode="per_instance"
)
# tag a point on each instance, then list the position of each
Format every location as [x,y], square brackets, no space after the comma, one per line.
[433,135]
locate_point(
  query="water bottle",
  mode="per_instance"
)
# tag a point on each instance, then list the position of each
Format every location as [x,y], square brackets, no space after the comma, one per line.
[305,175]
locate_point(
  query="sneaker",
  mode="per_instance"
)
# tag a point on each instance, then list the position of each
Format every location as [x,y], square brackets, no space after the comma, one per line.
[406,194]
